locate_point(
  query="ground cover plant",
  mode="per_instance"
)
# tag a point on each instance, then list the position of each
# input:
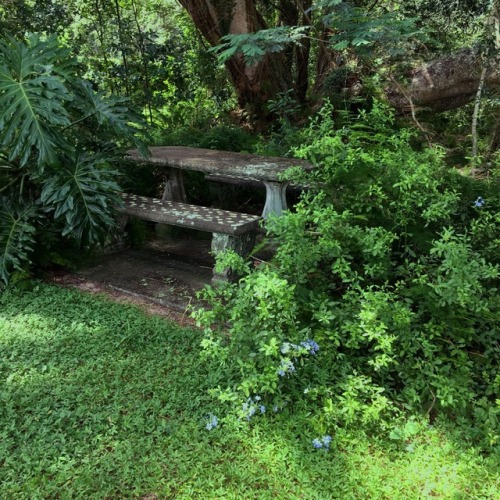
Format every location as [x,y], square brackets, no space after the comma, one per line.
[100,400]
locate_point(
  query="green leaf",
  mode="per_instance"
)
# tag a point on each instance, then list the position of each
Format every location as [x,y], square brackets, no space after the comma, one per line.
[112,115]
[83,195]
[32,100]
[16,236]
[343,44]
[254,46]
[360,41]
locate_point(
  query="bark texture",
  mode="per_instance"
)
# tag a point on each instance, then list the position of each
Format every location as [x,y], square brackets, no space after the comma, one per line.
[254,84]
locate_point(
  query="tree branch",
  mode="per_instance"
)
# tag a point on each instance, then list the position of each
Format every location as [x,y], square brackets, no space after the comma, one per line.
[413,111]
[475,115]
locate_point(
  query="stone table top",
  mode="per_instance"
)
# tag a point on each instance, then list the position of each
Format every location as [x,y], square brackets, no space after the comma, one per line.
[263,168]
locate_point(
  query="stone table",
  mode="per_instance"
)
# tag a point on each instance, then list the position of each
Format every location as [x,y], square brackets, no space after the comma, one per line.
[266,169]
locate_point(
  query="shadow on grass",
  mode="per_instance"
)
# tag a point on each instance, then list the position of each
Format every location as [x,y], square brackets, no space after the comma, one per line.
[100,400]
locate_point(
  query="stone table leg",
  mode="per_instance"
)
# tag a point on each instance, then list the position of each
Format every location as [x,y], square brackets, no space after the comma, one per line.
[174,191]
[275,198]
[174,186]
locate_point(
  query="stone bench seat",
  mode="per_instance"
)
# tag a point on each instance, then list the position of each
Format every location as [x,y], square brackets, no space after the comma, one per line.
[230,230]
[194,216]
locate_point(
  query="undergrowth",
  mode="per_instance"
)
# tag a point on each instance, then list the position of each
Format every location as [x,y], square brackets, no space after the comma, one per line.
[381,301]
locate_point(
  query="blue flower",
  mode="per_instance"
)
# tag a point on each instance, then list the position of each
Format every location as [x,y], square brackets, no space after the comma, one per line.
[286,367]
[285,347]
[311,346]
[275,408]
[323,442]
[249,408]
[288,347]
[317,443]
[212,422]
[479,202]
[326,441]
[262,409]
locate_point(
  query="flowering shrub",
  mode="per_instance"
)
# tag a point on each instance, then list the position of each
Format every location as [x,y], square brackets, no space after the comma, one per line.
[381,297]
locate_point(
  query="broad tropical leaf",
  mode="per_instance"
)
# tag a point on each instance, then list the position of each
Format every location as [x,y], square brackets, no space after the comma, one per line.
[82,195]
[16,236]
[32,100]
[111,114]
[58,138]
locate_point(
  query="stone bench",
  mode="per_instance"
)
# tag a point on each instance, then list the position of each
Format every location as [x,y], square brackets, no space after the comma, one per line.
[230,230]
[234,167]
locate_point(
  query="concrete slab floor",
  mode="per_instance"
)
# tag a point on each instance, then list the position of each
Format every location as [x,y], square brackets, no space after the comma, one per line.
[163,276]
[168,273]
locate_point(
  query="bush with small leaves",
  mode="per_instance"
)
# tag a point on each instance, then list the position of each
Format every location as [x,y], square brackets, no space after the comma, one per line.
[382,295]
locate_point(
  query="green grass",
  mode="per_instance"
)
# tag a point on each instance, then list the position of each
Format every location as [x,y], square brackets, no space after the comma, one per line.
[100,400]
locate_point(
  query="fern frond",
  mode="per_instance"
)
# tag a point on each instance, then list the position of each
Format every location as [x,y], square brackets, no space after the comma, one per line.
[254,46]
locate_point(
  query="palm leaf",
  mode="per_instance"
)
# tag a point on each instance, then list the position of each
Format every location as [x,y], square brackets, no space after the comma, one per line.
[32,100]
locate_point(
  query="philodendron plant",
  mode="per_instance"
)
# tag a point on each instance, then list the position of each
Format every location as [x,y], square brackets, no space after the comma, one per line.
[59,142]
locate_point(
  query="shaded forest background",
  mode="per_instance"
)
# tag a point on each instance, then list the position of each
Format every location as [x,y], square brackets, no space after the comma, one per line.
[157,54]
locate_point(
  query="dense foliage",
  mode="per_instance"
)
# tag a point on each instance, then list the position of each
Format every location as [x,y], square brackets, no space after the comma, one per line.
[58,142]
[145,50]
[383,293]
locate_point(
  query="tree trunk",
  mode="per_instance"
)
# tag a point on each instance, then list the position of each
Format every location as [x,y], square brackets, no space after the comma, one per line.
[302,56]
[255,84]
[445,83]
